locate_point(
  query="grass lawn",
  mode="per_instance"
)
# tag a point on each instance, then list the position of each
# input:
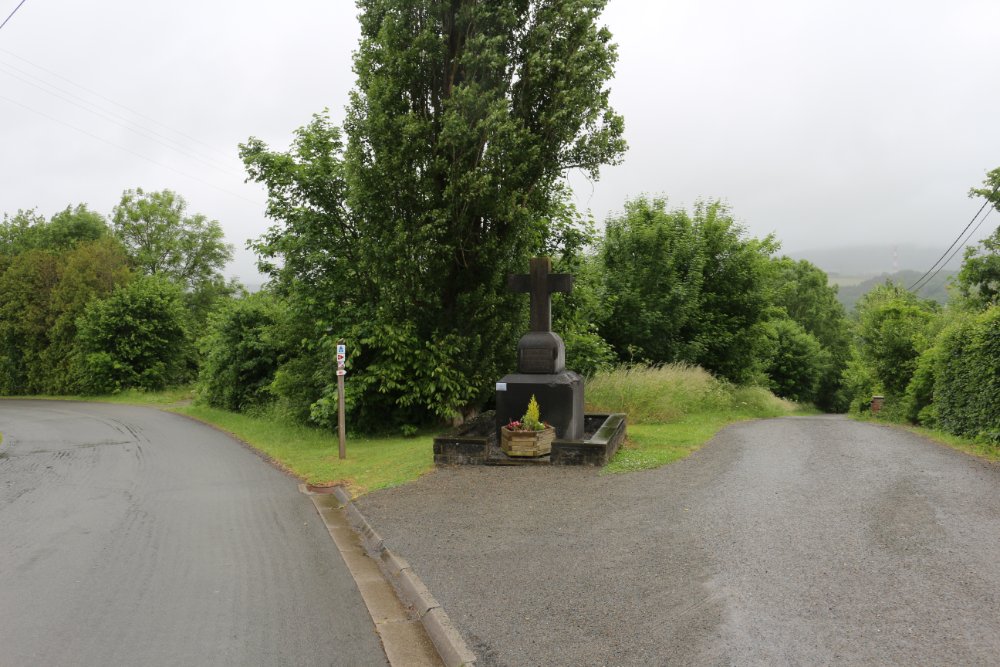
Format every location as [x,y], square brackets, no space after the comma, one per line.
[675,409]
[672,411]
[312,454]
[653,445]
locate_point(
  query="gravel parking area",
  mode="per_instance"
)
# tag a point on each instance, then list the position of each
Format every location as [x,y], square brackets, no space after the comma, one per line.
[795,541]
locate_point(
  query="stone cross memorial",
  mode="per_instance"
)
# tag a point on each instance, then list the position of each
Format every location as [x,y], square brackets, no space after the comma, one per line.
[541,359]
[540,350]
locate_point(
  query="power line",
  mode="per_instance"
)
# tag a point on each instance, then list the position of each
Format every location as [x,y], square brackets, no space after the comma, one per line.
[12,14]
[960,235]
[952,256]
[117,104]
[117,119]
[127,150]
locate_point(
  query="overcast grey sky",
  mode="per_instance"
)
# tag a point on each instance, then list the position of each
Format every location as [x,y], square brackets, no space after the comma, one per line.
[828,123]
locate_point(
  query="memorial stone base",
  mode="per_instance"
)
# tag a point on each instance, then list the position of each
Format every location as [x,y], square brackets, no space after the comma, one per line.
[559,396]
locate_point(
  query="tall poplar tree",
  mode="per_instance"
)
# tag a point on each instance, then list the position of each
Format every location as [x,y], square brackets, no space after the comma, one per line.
[465,119]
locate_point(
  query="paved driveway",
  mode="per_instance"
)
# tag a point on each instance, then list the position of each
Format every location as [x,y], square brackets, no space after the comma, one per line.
[130,536]
[782,542]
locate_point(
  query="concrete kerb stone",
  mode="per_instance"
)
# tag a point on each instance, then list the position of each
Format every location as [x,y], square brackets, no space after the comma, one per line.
[449,643]
[416,593]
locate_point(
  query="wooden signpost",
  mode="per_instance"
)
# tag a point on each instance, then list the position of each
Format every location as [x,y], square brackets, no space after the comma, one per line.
[341,372]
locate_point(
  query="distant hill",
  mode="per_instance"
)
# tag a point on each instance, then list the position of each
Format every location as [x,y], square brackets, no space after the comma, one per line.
[857,269]
[850,291]
[870,260]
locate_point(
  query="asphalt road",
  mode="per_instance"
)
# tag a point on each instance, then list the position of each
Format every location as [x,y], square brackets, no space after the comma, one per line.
[130,536]
[801,541]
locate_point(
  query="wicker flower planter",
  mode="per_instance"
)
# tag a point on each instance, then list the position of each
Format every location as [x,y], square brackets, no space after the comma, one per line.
[527,443]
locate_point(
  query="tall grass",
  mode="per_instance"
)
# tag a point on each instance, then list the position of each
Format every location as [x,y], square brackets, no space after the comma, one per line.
[672,392]
[674,409]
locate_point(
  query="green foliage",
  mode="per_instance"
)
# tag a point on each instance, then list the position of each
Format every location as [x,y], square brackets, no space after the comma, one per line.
[91,270]
[74,225]
[685,288]
[242,352]
[796,361]
[967,386]
[894,328]
[859,384]
[25,319]
[465,118]
[575,315]
[659,394]
[979,279]
[29,231]
[802,291]
[935,290]
[162,240]
[918,402]
[532,419]
[133,338]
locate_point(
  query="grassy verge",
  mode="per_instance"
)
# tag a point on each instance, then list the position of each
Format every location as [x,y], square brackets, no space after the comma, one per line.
[155,399]
[308,453]
[672,411]
[979,449]
[675,409]
[312,454]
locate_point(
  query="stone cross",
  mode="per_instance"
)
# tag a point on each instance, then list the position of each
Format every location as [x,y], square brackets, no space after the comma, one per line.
[540,284]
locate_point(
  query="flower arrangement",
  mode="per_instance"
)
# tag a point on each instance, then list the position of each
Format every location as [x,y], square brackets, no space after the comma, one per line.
[531,421]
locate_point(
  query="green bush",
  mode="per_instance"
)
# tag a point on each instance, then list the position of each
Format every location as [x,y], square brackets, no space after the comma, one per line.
[919,395]
[134,338]
[685,287]
[796,361]
[859,384]
[967,386]
[241,352]
[586,352]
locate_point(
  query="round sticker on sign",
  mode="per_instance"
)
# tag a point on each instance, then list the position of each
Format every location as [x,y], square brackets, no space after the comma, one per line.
[341,371]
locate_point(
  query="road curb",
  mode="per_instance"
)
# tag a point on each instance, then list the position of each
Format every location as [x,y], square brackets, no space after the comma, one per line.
[412,591]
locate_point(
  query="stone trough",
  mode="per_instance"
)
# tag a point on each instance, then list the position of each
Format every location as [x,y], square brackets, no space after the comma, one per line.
[477,443]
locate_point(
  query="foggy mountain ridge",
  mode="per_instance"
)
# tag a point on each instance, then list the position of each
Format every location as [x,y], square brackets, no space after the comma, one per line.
[867,261]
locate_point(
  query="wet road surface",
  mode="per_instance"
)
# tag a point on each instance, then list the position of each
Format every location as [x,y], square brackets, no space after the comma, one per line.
[805,541]
[130,536]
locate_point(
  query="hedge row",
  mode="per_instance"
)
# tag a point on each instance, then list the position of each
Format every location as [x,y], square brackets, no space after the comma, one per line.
[967,387]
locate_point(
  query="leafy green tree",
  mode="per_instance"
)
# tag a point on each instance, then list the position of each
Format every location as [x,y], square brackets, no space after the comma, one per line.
[162,239]
[19,233]
[796,361]
[90,271]
[685,287]
[133,338]
[74,225]
[242,352]
[979,278]
[802,291]
[464,121]
[894,328]
[25,319]
[28,230]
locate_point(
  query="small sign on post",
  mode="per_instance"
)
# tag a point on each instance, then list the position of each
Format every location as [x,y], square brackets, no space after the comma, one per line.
[341,372]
